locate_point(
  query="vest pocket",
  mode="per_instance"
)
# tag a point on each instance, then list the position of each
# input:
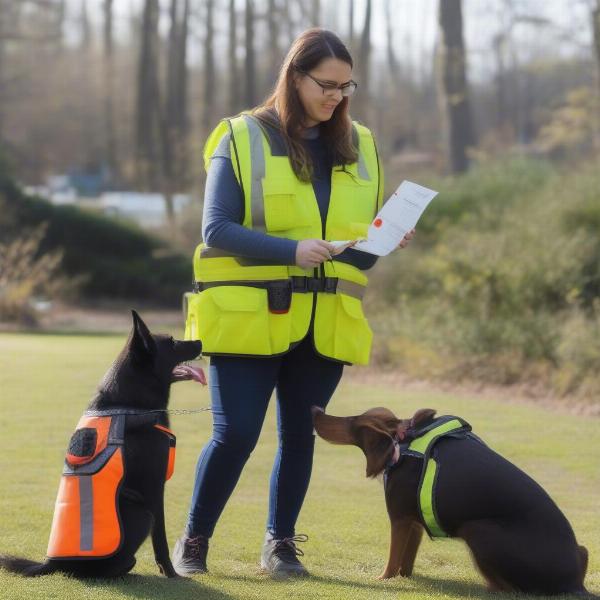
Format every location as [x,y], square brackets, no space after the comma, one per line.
[341,330]
[353,336]
[283,208]
[233,319]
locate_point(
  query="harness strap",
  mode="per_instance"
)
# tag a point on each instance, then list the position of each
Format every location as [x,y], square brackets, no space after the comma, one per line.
[422,446]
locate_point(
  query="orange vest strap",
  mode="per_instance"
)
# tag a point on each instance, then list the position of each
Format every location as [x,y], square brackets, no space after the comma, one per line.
[172,443]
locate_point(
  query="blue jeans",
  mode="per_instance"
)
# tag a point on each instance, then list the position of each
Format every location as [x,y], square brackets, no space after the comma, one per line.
[240,391]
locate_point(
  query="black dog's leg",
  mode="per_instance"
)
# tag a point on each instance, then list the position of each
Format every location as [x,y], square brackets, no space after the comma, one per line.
[159,540]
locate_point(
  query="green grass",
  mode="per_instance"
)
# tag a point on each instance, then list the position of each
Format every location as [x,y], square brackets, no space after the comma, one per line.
[46,381]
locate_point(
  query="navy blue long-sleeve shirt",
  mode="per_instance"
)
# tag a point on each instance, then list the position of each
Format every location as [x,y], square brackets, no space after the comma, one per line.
[224,209]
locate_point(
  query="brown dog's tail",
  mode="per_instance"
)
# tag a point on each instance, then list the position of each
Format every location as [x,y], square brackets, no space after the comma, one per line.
[25,567]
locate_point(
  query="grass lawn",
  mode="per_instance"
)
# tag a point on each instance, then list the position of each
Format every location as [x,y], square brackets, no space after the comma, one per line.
[47,380]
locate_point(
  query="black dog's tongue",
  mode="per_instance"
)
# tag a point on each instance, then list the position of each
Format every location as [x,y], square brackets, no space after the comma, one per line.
[187,372]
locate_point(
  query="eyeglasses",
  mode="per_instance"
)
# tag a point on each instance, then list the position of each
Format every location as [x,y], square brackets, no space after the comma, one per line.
[328,87]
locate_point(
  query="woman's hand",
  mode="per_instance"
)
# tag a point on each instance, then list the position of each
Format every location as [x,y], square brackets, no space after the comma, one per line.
[409,236]
[311,253]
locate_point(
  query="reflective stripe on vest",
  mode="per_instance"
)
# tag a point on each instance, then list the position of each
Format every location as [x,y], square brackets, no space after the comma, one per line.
[423,446]
[230,313]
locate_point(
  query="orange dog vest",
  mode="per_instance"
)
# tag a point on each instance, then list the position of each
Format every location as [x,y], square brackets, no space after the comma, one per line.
[86,519]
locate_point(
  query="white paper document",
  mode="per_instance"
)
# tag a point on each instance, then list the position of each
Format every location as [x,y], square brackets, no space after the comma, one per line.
[397,217]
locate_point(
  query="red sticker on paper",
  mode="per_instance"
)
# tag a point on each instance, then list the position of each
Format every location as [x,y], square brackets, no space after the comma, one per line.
[378,222]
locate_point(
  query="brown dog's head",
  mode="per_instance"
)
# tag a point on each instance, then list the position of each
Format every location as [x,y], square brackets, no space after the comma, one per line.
[373,432]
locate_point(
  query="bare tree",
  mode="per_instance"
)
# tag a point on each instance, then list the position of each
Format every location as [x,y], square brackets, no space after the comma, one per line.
[2,59]
[596,24]
[209,68]
[173,120]
[273,18]
[148,104]
[351,24]
[315,13]
[364,57]
[111,154]
[86,28]
[176,109]
[250,62]
[394,67]
[234,87]
[453,79]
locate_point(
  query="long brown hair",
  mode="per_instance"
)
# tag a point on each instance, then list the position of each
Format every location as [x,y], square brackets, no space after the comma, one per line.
[284,109]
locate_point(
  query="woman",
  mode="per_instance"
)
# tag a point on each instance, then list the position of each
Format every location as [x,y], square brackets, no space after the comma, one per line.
[276,305]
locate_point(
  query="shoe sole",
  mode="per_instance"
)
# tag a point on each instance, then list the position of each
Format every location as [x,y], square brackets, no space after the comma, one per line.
[282,574]
[188,572]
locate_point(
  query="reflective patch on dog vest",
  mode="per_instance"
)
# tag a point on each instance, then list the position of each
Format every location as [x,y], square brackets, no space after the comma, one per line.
[89,439]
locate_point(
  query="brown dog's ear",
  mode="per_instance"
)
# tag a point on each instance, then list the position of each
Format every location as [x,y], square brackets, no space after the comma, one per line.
[336,430]
[377,445]
[422,415]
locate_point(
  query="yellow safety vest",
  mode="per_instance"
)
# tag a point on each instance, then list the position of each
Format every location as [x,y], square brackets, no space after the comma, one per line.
[239,305]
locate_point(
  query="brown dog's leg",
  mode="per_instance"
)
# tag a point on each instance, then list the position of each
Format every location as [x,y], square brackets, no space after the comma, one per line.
[401,532]
[411,547]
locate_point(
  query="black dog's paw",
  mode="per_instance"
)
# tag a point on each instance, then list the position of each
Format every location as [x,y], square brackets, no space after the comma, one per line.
[168,571]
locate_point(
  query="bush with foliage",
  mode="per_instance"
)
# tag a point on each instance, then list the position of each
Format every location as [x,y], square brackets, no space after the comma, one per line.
[504,258]
[113,259]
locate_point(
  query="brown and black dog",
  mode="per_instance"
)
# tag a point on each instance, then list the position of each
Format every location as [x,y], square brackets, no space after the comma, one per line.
[519,538]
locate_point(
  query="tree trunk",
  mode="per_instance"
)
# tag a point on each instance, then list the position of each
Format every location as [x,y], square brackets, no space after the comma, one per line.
[364,57]
[394,67]
[351,25]
[209,70]
[596,21]
[176,109]
[173,123]
[315,13]
[274,52]
[250,69]
[111,154]
[86,29]
[234,87]
[498,44]
[147,104]
[453,79]
[2,51]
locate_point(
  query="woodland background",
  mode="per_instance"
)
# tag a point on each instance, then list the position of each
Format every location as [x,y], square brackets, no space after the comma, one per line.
[493,102]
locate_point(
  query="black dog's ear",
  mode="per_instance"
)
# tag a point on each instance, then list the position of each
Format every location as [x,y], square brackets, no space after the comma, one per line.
[141,342]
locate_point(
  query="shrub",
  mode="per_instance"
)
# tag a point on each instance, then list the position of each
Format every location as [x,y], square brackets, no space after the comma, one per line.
[117,259]
[25,273]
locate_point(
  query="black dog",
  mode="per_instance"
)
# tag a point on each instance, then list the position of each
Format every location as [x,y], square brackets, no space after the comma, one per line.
[519,538]
[111,493]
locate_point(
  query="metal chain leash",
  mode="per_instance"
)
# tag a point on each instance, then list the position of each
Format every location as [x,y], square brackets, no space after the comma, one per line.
[184,411]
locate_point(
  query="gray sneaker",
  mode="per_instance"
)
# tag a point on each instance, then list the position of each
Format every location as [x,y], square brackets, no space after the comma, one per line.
[189,555]
[279,557]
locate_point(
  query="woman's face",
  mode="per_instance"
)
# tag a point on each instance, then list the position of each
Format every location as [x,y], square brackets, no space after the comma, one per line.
[319,105]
